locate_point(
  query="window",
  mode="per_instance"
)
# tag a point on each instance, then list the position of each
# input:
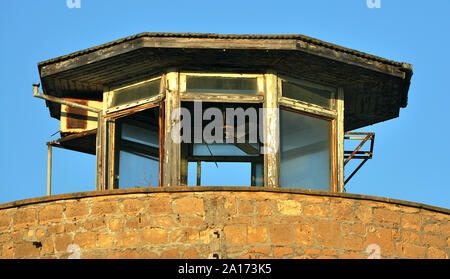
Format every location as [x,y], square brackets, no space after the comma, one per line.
[305,151]
[223,85]
[224,162]
[308,93]
[138,150]
[135,92]
[215,174]
[222,133]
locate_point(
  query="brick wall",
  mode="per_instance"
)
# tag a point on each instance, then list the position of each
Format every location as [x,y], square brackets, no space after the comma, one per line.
[211,222]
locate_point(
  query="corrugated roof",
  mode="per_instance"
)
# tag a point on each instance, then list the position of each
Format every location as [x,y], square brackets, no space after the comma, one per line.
[231,36]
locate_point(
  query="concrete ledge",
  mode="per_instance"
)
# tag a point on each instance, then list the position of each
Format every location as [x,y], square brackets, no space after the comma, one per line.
[79,195]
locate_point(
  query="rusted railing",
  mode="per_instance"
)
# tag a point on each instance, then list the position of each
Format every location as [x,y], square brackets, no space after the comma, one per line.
[363,155]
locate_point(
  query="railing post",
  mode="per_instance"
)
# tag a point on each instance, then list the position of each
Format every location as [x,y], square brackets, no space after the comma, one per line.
[49,169]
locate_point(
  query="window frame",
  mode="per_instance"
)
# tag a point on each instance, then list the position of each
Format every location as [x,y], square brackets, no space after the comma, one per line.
[222,97]
[108,95]
[305,106]
[332,139]
[111,163]
[173,93]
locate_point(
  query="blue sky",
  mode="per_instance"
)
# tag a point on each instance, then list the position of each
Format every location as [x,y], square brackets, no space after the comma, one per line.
[411,157]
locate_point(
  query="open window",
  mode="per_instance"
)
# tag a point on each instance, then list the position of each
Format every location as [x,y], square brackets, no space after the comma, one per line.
[306,151]
[227,152]
[137,156]
[235,130]
[308,129]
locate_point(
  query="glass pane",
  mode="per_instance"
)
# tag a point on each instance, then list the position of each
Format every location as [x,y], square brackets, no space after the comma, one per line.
[138,170]
[199,84]
[305,151]
[226,174]
[135,93]
[259,174]
[140,135]
[139,154]
[217,149]
[192,174]
[307,94]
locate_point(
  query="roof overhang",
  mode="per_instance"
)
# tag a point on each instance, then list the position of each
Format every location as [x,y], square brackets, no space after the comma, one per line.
[375,88]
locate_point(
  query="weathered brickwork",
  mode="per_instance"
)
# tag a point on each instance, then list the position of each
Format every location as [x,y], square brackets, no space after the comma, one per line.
[222,224]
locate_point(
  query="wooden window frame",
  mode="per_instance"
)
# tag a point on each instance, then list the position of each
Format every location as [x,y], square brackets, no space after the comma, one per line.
[333,176]
[306,105]
[173,172]
[110,180]
[107,96]
[222,97]
[335,115]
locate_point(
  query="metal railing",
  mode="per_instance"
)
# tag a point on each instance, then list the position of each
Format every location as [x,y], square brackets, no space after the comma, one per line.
[359,154]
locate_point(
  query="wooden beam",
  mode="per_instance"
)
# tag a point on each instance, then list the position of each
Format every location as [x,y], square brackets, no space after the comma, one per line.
[223,98]
[306,107]
[340,140]
[111,50]
[271,148]
[172,150]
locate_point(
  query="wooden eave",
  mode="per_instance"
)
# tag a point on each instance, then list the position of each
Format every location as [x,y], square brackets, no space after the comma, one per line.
[375,88]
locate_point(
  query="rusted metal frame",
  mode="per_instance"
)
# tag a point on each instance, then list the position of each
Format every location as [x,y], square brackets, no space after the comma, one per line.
[58,145]
[357,154]
[99,136]
[49,169]
[74,136]
[58,142]
[361,157]
[368,137]
[371,144]
[356,170]
[360,133]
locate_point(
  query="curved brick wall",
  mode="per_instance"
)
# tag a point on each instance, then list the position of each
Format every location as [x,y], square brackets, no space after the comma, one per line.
[224,222]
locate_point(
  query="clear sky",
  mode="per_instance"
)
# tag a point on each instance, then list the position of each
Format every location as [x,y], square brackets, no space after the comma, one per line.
[411,157]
